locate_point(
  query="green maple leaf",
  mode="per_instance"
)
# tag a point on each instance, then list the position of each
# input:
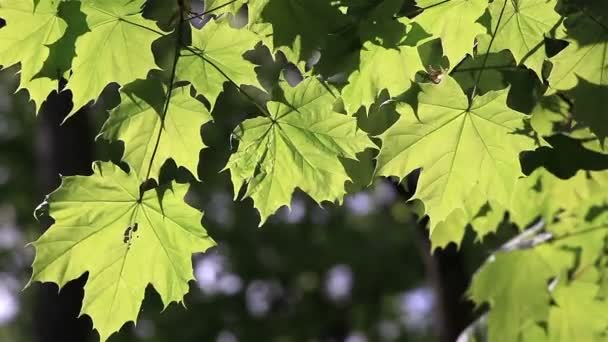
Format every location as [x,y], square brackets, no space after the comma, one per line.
[26,38]
[534,333]
[582,67]
[265,31]
[522,29]
[255,9]
[377,22]
[390,68]
[552,115]
[549,115]
[493,77]
[299,25]
[515,286]
[118,48]
[139,119]
[545,195]
[455,22]
[584,57]
[583,221]
[577,315]
[215,57]
[540,195]
[124,243]
[483,217]
[299,145]
[460,147]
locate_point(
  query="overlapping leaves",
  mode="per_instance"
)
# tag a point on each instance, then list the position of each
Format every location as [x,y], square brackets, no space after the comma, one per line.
[154,129]
[26,39]
[117,48]
[455,22]
[521,27]
[298,145]
[376,71]
[560,276]
[581,69]
[468,143]
[216,57]
[460,146]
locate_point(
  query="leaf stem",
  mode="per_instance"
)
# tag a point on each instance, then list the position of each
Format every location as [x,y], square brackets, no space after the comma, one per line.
[485,57]
[422,9]
[526,239]
[169,94]
[491,67]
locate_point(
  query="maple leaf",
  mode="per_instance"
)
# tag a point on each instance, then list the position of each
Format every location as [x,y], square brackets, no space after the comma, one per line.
[390,68]
[216,57]
[455,22]
[581,68]
[483,217]
[118,48]
[582,224]
[301,26]
[515,286]
[522,29]
[124,243]
[578,315]
[458,146]
[538,196]
[26,38]
[298,146]
[154,131]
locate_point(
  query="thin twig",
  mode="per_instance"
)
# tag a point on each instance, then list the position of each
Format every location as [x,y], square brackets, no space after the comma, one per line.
[198,16]
[492,67]
[422,9]
[485,58]
[249,97]
[169,94]
[525,239]
[529,238]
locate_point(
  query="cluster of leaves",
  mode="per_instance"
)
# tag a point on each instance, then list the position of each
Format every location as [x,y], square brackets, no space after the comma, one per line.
[471,92]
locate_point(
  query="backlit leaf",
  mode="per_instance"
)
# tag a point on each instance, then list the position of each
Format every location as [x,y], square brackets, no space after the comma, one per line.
[455,22]
[298,146]
[216,57]
[124,243]
[25,39]
[118,48]
[459,147]
[141,118]
[522,29]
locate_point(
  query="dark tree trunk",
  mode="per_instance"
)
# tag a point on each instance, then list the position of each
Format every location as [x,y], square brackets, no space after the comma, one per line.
[451,283]
[67,150]
[446,272]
